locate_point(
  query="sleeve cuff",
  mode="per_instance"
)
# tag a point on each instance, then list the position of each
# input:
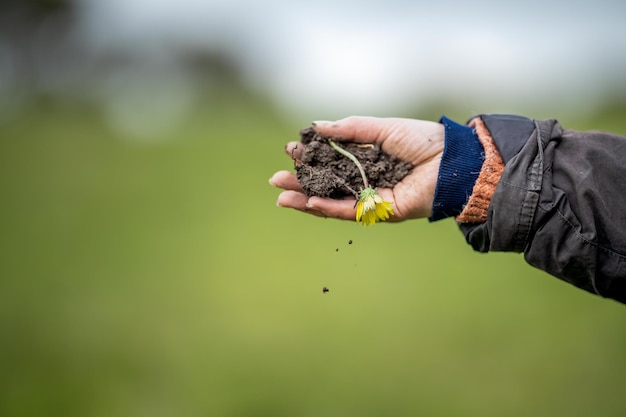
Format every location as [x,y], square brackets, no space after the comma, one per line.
[461,163]
[475,211]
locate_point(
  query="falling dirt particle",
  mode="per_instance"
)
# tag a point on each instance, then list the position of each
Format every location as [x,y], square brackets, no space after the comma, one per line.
[350,242]
[337,250]
[325,290]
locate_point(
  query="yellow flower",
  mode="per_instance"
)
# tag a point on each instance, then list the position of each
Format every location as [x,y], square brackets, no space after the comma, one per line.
[371,207]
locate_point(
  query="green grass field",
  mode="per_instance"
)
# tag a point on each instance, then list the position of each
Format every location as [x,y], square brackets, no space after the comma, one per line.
[162,280]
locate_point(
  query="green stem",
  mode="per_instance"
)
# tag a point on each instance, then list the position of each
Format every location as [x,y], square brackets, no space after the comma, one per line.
[352,158]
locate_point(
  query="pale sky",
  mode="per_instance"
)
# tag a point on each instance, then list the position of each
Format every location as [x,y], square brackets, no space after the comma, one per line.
[366,56]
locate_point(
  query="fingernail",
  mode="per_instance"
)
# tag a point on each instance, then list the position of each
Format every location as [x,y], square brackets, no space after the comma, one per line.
[319,123]
[271,181]
[310,204]
[278,203]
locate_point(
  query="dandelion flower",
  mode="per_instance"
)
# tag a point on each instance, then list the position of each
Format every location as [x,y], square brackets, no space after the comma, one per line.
[371,207]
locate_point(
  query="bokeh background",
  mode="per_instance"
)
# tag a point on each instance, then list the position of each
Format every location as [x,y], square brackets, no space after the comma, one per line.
[146,271]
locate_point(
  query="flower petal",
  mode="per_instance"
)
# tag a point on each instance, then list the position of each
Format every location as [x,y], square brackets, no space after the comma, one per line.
[359,211]
[371,207]
[381,212]
[388,207]
[370,218]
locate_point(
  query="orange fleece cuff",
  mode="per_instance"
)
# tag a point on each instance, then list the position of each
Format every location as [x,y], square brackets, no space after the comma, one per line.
[475,211]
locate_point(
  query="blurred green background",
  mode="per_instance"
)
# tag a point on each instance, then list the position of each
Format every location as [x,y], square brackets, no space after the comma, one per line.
[153,275]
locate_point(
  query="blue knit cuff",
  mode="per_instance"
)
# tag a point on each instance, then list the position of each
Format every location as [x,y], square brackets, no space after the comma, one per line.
[463,156]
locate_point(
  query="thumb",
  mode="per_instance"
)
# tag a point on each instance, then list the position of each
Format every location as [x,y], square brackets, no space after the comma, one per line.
[358,128]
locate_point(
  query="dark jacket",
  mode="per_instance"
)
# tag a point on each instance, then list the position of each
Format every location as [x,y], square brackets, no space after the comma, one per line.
[561,201]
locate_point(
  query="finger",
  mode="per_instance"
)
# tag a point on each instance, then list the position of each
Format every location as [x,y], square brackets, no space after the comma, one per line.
[298,201]
[293,199]
[285,180]
[294,149]
[338,209]
[358,128]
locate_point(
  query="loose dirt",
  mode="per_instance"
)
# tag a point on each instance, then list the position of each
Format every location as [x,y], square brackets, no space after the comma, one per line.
[324,172]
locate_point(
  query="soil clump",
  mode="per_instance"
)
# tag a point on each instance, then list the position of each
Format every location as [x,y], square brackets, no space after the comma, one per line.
[324,172]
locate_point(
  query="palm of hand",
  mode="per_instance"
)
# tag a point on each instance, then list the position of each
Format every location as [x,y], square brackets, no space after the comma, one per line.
[416,141]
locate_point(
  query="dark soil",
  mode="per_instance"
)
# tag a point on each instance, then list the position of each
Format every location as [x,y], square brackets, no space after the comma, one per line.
[324,172]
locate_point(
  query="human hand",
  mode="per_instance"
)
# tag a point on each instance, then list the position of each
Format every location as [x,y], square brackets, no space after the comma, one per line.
[416,141]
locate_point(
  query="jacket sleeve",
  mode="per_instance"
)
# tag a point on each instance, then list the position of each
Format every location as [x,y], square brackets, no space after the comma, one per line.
[561,200]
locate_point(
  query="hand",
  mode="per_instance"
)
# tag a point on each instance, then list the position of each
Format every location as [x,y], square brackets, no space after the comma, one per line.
[416,141]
